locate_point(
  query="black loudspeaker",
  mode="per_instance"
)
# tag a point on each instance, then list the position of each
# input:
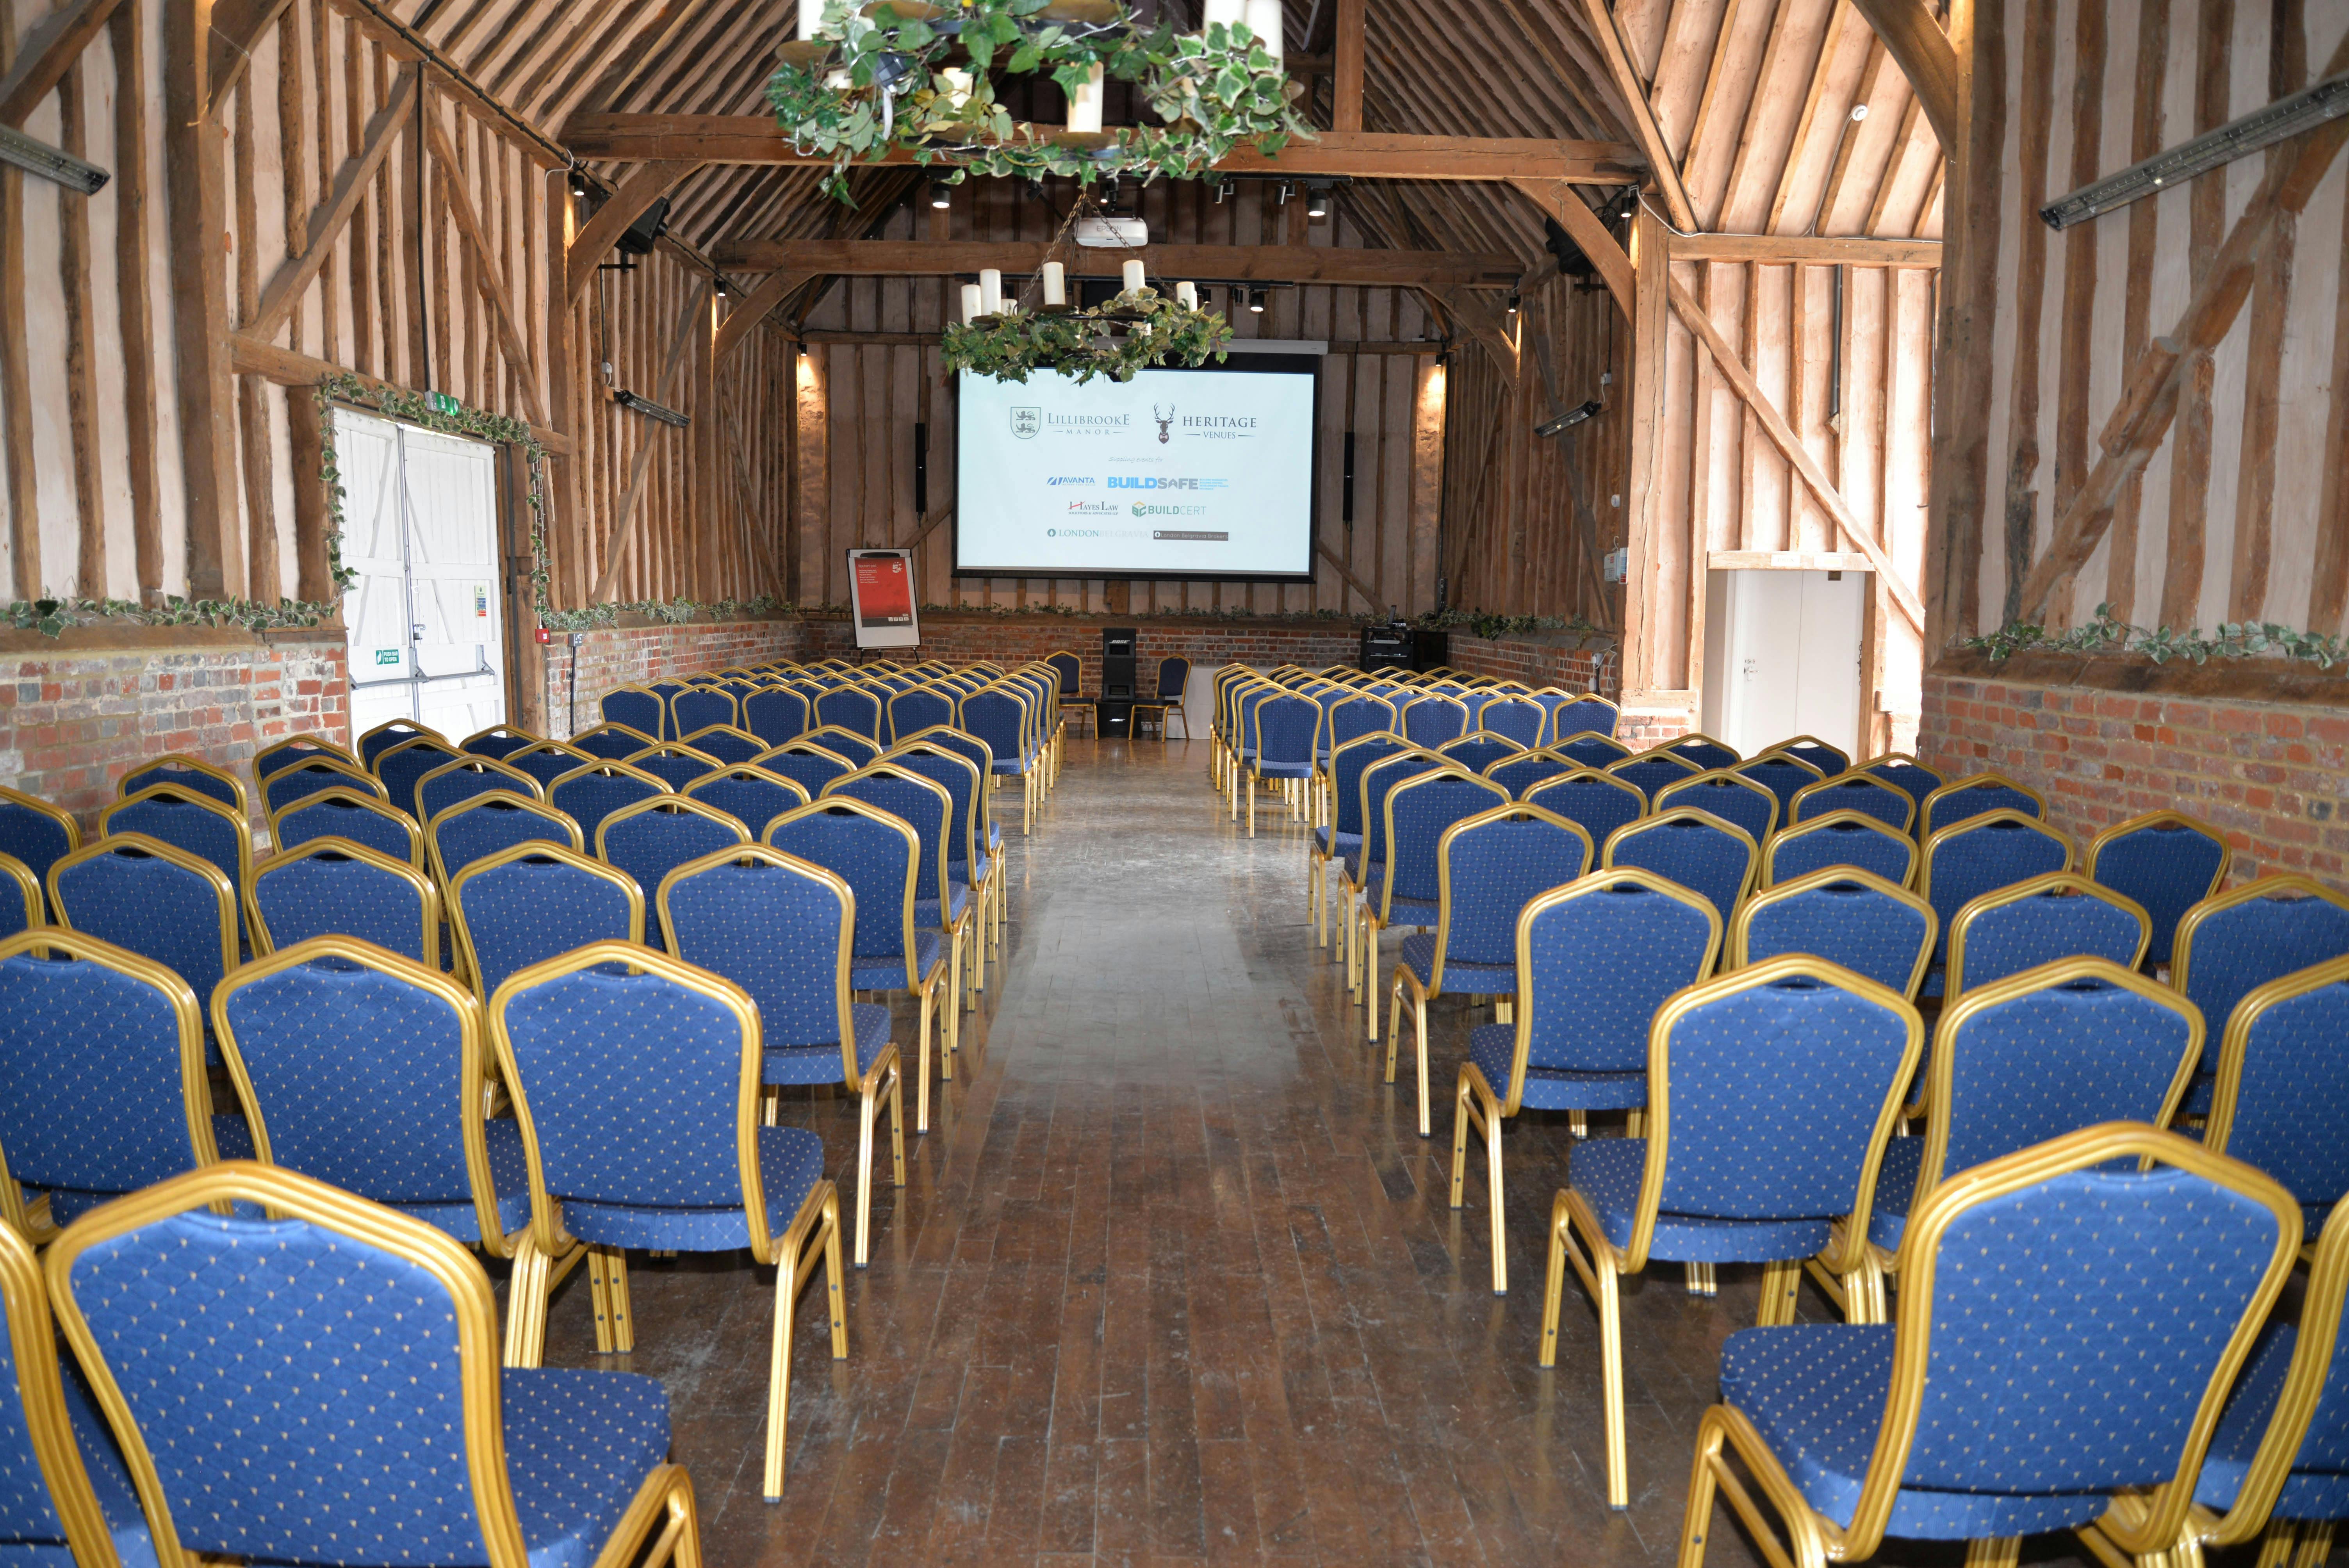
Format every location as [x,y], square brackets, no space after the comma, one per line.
[1387,646]
[1118,663]
[1429,649]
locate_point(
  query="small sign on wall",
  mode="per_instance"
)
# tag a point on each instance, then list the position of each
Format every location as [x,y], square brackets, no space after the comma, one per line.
[386,656]
[881,587]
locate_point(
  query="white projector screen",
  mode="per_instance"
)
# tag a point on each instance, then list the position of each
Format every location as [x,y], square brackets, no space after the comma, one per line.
[1205,473]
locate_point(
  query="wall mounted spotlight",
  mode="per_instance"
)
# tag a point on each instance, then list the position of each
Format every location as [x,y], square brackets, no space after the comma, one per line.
[1316,201]
[1256,300]
[2305,110]
[1570,418]
[941,194]
[650,409]
[39,158]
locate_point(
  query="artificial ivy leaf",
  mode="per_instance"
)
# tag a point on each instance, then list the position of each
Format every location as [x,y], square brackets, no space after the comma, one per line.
[914,35]
[1025,59]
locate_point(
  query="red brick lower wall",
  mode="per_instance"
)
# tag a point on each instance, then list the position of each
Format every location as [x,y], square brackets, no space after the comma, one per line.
[630,655]
[77,714]
[2272,775]
[964,640]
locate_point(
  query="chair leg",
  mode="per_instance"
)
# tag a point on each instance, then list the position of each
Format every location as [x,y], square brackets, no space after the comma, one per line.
[1700,1281]
[599,1293]
[1492,1196]
[948,1005]
[779,1363]
[2000,1552]
[864,1108]
[1578,1124]
[2315,1543]
[526,1306]
[1251,805]
[897,1122]
[1554,1286]
[922,1070]
[1611,1370]
[1419,1050]
[616,1295]
[1781,1284]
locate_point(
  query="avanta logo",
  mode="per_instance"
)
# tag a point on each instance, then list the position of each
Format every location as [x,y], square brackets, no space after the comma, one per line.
[1058,480]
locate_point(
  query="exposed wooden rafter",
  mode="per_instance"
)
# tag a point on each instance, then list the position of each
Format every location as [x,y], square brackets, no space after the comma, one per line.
[1666,173]
[1273,263]
[491,278]
[1914,38]
[629,203]
[45,56]
[332,215]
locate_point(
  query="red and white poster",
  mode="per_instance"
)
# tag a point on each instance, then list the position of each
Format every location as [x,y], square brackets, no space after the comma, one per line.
[882,584]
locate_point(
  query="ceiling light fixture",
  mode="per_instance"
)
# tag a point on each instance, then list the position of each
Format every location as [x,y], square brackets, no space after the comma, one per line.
[1317,202]
[941,194]
[2328,99]
[1256,300]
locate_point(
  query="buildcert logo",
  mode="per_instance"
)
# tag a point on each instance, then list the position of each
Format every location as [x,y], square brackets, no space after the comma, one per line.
[1162,482]
[1058,480]
[1092,509]
[1144,508]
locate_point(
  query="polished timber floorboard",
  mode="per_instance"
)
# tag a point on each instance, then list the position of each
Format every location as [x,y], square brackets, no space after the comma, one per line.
[1174,1280]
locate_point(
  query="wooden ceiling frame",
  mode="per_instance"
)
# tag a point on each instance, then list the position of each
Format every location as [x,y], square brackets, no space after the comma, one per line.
[1346,266]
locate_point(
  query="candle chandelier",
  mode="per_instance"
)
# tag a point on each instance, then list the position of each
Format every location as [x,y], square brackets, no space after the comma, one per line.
[862,79]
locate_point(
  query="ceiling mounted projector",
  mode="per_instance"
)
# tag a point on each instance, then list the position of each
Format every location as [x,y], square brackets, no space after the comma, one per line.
[1112,232]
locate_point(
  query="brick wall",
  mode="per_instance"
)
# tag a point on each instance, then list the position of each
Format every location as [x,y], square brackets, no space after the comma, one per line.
[2114,740]
[631,655]
[1546,659]
[1208,645]
[79,712]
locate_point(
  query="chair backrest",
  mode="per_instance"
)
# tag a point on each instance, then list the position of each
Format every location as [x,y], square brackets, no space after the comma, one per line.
[1493,864]
[187,820]
[403,768]
[2059,915]
[852,708]
[2069,1325]
[1589,748]
[2054,1049]
[1346,766]
[1707,753]
[1576,715]
[1174,674]
[1417,813]
[877,854]
[35,832]
[1000,717]
[1433,719]
[724,744]
[857,748]
[922,804]
[1478,749]
[1351,717]
[340,814]
[474,830]
[1599,801]
[1692,848]
[470,776]
[1903,772]
[497,741]
[1810,750]
[1520,772]
[1868,924]
[1287,731]
[297,779]
[700,708]
[1973,795]
[1770,1093]
[635,1077]
[1851,838]
[534,901]
[752,795]
[1649,772]
[2281,1077]
[335,1296]
[2166,861]
[281,754]
[610,741]
[657,835]
[642,710]
[22,903]
[1982,854]
[965,786]
[1068,671]
[911,712]
[807,763]
[394,732]
[1519,718]
[1594,959]
[781,928]
[2232,942]
[193,774]
[152,899]
[50,1502]
[775,713]
[323,1035]
[102,1081]
[674,763]
[1729,795]
[1857,791]
[551,760]
[1782,776]
[588,795]
[333,887]
[1377,777]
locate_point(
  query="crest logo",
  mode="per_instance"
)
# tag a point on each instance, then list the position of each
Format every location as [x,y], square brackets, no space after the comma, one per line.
[1165,420]
[1026,422]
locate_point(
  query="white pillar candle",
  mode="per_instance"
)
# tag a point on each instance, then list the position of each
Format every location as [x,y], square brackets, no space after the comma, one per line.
[1056,288]
[1264,21]
[1085,103]
[811,17]
[1225,11]
[1134,281]
[969,302]
[957,86]
[990,290]
[1188,295]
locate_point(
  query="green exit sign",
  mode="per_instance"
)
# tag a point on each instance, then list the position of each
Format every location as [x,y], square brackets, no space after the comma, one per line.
[444,404]
[386,656]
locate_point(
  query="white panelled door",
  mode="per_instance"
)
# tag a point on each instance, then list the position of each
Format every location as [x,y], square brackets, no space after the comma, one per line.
[420,528]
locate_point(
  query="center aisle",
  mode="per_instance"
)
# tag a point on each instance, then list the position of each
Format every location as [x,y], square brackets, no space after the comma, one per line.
[1173,1279]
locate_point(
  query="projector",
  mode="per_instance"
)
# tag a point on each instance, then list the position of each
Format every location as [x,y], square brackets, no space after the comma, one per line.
[1113,233]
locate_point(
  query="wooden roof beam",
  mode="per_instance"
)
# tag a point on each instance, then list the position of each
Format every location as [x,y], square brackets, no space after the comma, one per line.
[1914,38]
[1352,265]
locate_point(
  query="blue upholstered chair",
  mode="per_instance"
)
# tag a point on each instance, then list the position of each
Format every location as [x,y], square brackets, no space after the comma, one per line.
[1589,748]
[2166,861]
[654,837]
[72,1500]
[1784,776]
[35,832]
[347,1318]
[1868,924]
[103,1089]
[474,830]
[23,904]
[1478,749]
[975,751]
[1599,801]
[806,763]
[192,775]
[970,858]
[1973,795]
[298,780]
[1729,795]
[750,794]
[1358,714]
[674,763]
[497,742]
[858,749]
[1165,701]
[296,748]
[1405,888]
[1856,792]
[941,902]
[1068,677]
[1840,839]
[1432,720]
[152,899]
[1594,960]
[1332,840]
[1981,854]
[725,744]
[588,795]
[1364,865]
[608,742]
[641,710]
[2059,915]
[776,713]
[1519,718]
[1708,754]
[551,760]
[468,777]
[1286,730]
[1571,715]
[2068,1328]
[2282,1072]
[701,706]
[1904,773]
[999,717]
[2233,943]
[1649,772]
[636,1079]
[852,708]
[1772,1092]
[403,768]
[1519,773]
[535,902]
[347,813]
[191,821]
[1692,848]
[391,733]
[911,712]
[1811,751]
[333,887]
[325,1034]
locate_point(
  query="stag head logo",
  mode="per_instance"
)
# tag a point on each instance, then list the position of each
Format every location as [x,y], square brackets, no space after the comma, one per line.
[1166,422]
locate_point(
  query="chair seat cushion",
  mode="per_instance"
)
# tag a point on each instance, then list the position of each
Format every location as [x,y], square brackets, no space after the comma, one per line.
[1347,842]
[1492,1048]
[509,1175]
[1607,1171]
[994,837]
[820,1064]
[1896,1191]
[790,1162]
[578,1445]
[1401,911]
[1470,979]
[925,910]
[1815,1394]
[1281,770]
[889,973]
[2307,1493]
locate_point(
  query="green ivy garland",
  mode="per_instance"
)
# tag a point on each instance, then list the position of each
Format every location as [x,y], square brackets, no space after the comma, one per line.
[2106,633]
[1493,627]
[53,618]
[868,83]
[667,612]
[1133,331]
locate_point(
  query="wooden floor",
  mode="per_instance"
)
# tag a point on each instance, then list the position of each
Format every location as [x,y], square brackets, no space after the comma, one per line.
[1173,1279]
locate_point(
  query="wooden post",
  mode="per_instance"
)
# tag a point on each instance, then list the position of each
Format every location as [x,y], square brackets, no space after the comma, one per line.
[1346,100]
[133,304]
[1650,323]
[708,494]
[196,176]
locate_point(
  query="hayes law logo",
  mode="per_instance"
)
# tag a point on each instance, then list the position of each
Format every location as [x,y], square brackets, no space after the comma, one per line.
[1026,422]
